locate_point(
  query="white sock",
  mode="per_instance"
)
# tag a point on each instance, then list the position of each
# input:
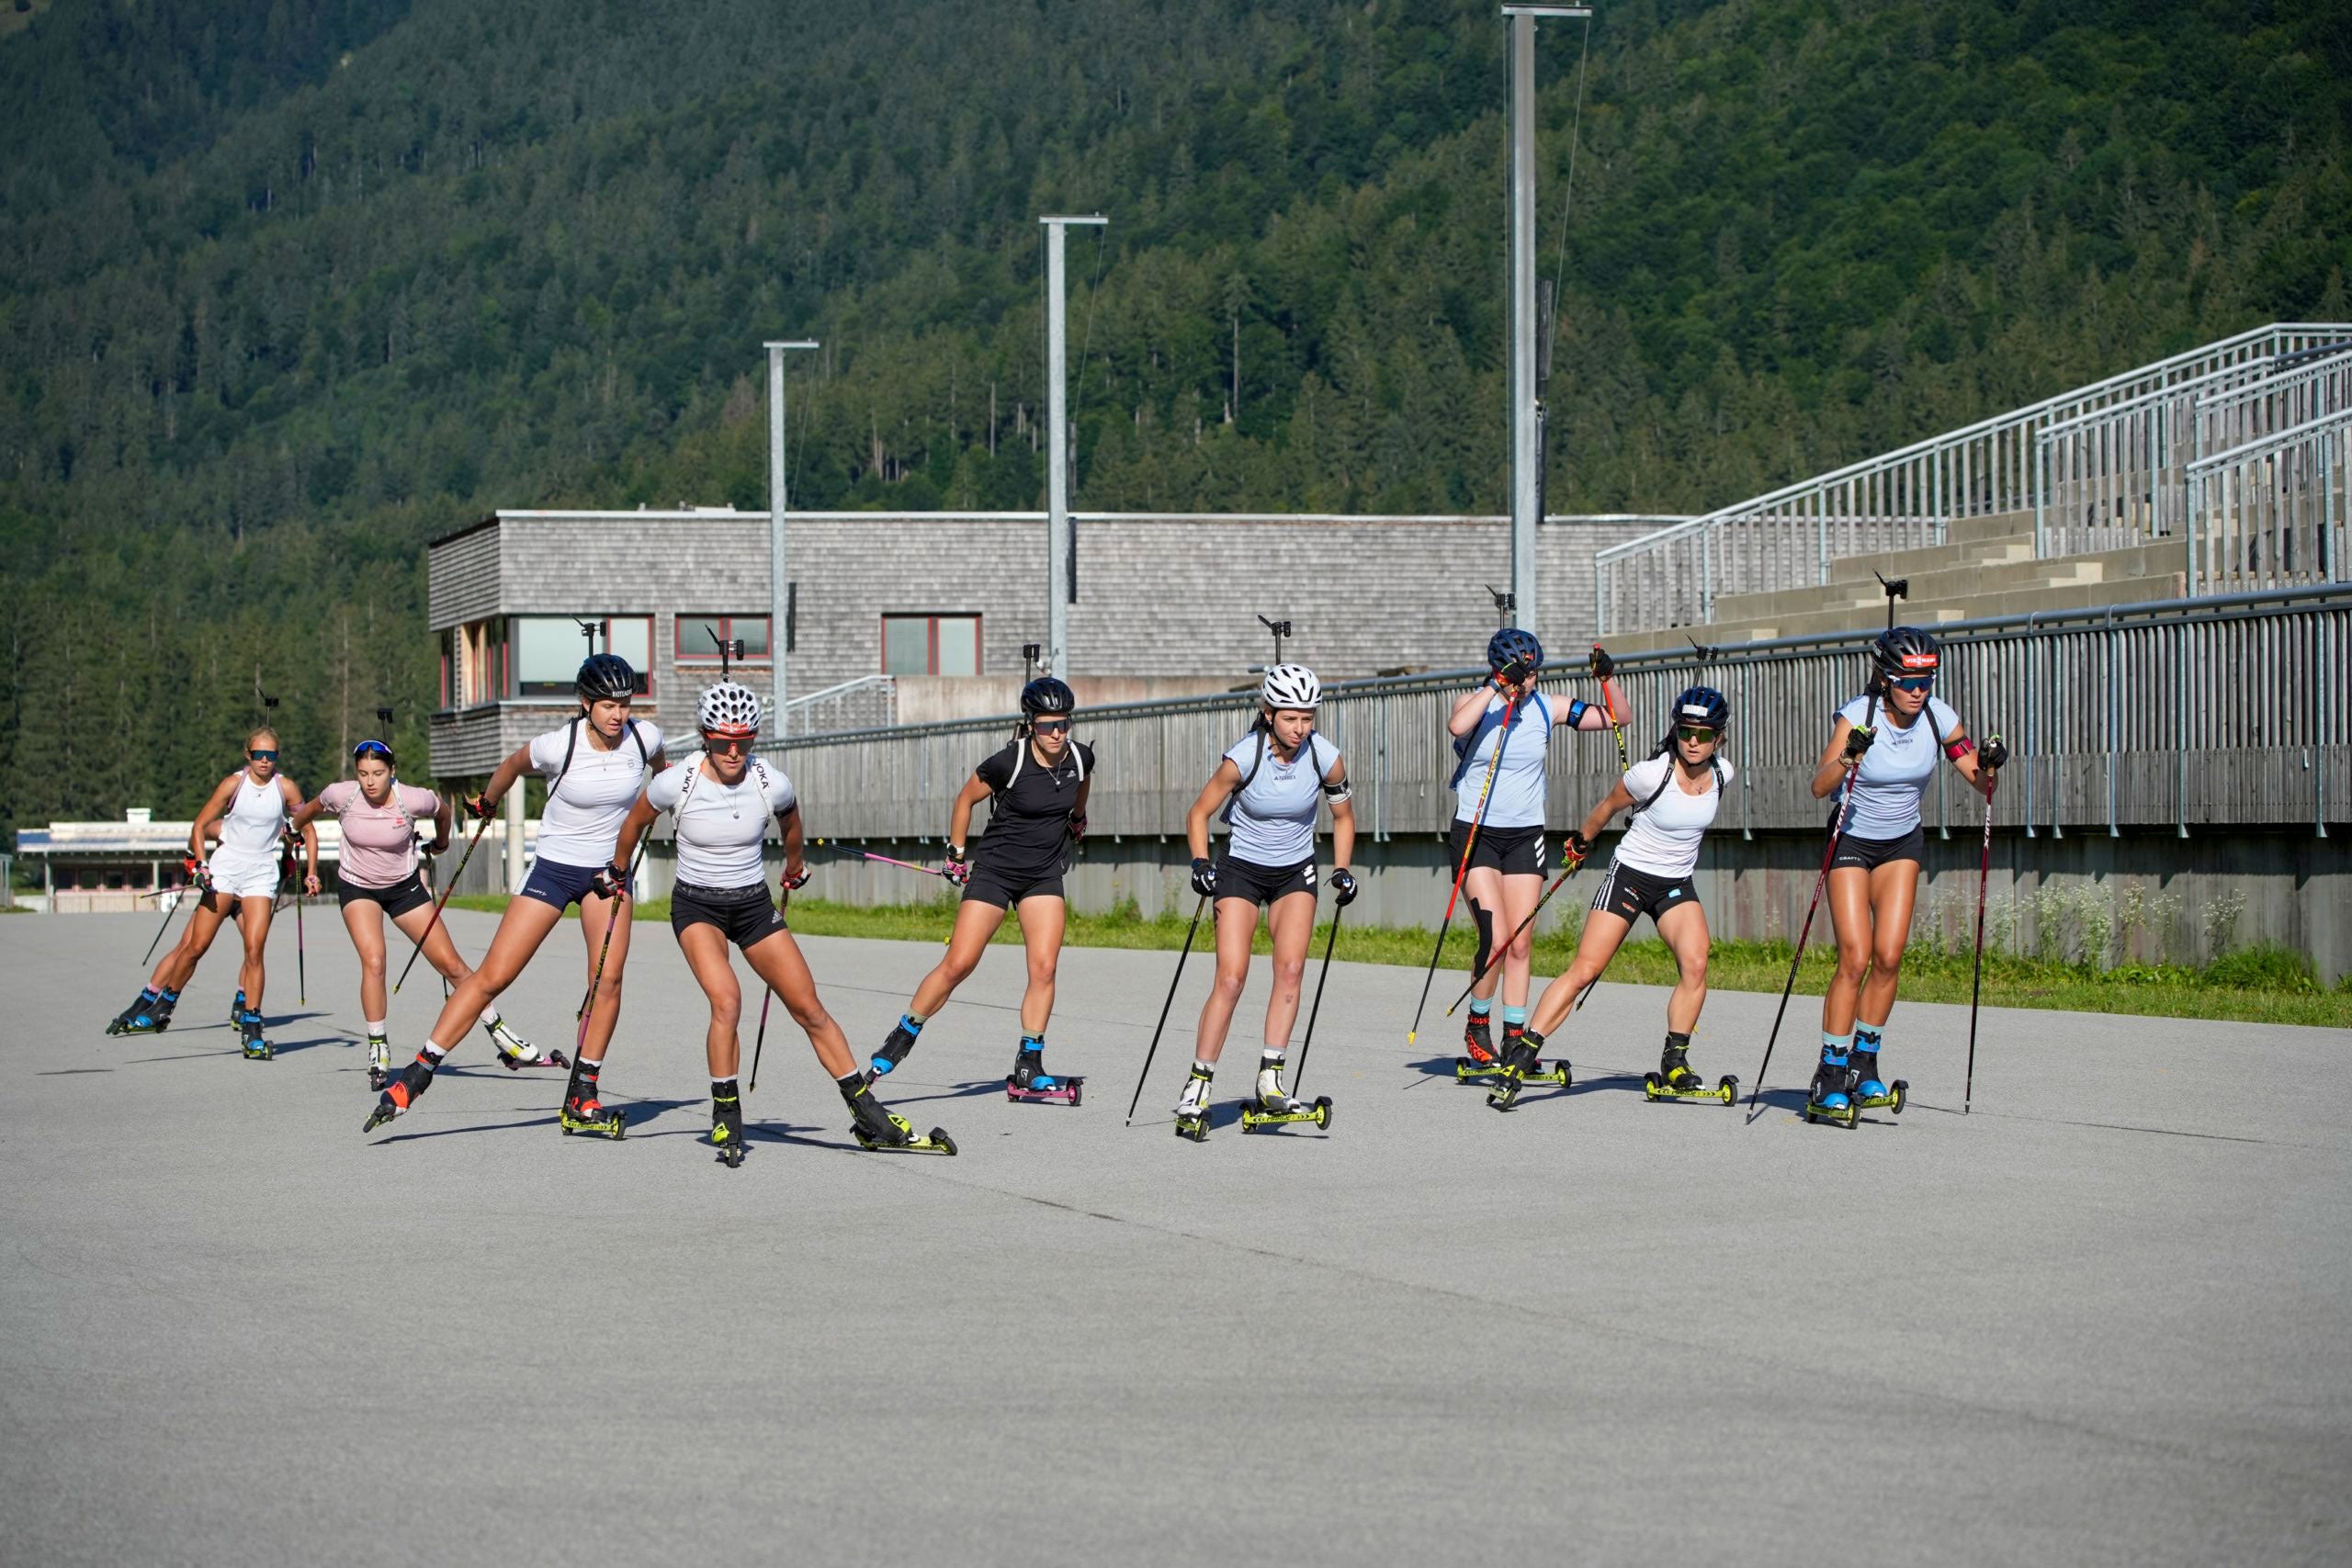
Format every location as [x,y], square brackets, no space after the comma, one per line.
[490,1016]
[375,1028]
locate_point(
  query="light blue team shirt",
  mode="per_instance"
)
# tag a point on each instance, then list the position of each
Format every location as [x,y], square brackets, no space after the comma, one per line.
[1895,770]
[1518,798]
[1274,819]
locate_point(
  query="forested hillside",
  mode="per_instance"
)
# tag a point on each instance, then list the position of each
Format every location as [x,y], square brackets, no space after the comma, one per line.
[285,288]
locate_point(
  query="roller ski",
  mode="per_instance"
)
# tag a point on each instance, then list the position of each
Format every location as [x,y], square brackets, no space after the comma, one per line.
[876,1126]
[257,1047]
[583,1112]
[1830,1096]
[1467,1069]
[1274,1107]
[894,1051]
[1675,1080]
[149,1013]
[1870,1094]
[1029,1081]
[726,1130]
[380,1062]
[1522,1064]
[1193,1105]
[514,1053]
[398,1095]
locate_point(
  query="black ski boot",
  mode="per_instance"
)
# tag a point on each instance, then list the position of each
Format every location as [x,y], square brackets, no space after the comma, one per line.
[1519,1062]
[1675,1080]
[875,1126]
[1029,1080]
[1478,1042]
[1830,1097]
[237,1008]
[149,1013]
[256,1048]
[727,1127]
[401,1094]
[582,1111]
[894,1051]
[1869,1092]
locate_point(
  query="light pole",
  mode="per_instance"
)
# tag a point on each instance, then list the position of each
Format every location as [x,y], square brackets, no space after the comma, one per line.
[1526,396]
[779,586]
[1057,536]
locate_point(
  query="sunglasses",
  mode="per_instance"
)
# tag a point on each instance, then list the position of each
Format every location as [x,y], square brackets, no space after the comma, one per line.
[371,748]
[1687,733]
[725,745]
[263,756]
[1049,726]
[1914,683]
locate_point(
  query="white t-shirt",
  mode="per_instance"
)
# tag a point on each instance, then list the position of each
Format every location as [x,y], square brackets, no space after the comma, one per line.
[583,820]
[719,828]
[1663,838]
[1517,799]
[1895,770]
[1273,819]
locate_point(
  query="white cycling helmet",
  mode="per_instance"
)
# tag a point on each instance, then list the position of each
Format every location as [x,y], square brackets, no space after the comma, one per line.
[1291,686]
[728,709]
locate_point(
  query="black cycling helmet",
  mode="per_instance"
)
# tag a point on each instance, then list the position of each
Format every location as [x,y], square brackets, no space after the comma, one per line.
[1700,706]
[1046,694]
[604,676]
[1902,652]
[1512,642]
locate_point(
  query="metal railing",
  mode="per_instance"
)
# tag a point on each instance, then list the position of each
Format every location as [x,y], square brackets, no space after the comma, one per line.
[863,702]
[2270,510]
[2230,710]
[2123,456]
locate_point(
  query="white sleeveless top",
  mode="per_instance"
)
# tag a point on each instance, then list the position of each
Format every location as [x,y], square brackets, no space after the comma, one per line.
[255,816]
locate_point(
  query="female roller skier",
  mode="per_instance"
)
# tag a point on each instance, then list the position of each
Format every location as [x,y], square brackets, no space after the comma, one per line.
[722,799]
[1268,784]
[596,767]
[377,880]
[249,810]
[1037,788]
[1875,875]
[1673,797]
[1505,876]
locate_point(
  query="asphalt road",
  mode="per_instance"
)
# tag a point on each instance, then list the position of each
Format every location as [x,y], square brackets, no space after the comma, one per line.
[2106,1318]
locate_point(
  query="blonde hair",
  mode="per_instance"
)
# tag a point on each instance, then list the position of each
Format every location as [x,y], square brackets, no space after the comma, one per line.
[257,734]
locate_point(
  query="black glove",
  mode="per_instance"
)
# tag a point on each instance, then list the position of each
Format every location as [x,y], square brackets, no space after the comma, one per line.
[1343,888]
[1204,878]
[1857,740]
[1512,673]
[958,871]
[480,808]
[1994,754]
[610,883]
[1077,826]
[1603,666]
[1574,848]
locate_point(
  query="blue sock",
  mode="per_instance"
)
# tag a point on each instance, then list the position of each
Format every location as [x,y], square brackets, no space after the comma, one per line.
[1835,1046]
[1481,1006]
[1514,1016]
[911,1023]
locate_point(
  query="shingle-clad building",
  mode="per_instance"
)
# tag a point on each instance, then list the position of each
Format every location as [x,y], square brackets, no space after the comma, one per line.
[1163,602]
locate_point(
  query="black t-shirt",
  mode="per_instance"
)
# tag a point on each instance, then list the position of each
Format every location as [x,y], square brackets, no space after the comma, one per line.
[1029,811]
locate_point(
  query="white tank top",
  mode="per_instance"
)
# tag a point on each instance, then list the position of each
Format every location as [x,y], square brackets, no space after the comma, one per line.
[249,831]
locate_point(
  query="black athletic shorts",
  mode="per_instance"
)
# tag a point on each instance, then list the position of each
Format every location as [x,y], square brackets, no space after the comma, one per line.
[553,881]
[1872,854]
[1631,893]
[1262,883]
[402,896]
[745,915]
[1005,886]
[1514,851]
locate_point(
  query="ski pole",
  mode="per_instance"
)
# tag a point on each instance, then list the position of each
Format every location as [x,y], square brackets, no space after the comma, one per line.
[169,911]
[301,978]
[1844,809]
[1976,986]
[455,877]
[760,1043]
[1190,931]
[1477,817]
[1604,667]
[1497,956]
[885,859]
[604,950]
[1332,941]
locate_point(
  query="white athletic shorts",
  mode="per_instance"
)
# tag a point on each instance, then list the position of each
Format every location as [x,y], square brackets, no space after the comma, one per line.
[244,879]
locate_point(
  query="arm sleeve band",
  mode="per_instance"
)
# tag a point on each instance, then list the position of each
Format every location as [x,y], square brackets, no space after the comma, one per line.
[1339,791]
[1958,747]
[1578,709]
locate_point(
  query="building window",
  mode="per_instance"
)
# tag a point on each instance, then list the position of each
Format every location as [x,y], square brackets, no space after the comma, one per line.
[541,655]
[931,644]
[699,637]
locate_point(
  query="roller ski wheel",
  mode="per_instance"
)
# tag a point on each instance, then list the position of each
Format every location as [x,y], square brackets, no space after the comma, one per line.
[593,1119]
[1253,1116]
[1836,1108]
[136,1020]
[727,1137]
[1193,1124]
[1467,1071]
[1065,1091]
[384,1113]
[513,1064]
[1892,1097]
